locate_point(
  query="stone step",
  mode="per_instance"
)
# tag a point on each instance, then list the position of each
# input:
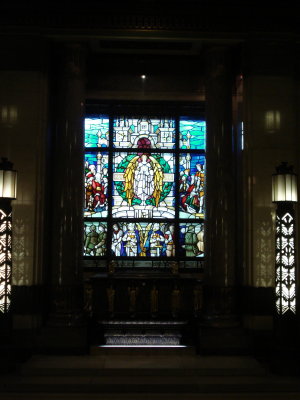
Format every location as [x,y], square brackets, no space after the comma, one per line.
[139,365]
[149,384]
[142,350]
[152,374]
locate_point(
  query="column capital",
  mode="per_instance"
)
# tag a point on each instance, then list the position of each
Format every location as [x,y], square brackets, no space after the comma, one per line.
[218,64]
[73,60]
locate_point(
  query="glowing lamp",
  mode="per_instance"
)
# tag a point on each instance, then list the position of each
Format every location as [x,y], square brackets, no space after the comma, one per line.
[8,180]
[284,184]
[284,194]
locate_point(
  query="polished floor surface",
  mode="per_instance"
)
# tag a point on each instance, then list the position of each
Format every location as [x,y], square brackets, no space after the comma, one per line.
[145,374]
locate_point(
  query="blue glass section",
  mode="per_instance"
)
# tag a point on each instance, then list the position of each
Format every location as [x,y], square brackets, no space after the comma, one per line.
[191,185]
[192,134]
[96,132]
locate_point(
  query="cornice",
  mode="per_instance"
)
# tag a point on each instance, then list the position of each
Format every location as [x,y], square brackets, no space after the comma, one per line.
[96,22]
[206,20]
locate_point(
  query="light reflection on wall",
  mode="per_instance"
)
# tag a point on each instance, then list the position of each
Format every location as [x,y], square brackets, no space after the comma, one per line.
[22,268]
[272,121]
[264,250]
[9,115]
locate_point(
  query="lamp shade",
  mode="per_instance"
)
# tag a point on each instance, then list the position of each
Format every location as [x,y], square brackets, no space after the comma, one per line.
[284,184]
[8,180]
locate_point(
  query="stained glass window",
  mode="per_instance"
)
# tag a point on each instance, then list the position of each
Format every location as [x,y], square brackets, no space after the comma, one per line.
[144,187]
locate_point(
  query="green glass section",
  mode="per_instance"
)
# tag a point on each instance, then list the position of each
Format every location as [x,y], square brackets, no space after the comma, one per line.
[192,134]
[95,235]
[191,239]
[96,132]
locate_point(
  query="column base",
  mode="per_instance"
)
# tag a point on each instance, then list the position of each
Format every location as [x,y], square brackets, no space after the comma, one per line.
[223,338]
[74,318]
[220,321]
[67,307]
[220,331]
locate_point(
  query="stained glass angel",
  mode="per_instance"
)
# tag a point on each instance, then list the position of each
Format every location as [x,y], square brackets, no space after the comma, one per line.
[143,179]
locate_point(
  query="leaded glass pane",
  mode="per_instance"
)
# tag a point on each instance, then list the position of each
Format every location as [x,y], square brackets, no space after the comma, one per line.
[191,185]
[192,134]
[96,182]
[95,234]
[191,239]
[143,185]
[143,239]
[144,133]
[96,132]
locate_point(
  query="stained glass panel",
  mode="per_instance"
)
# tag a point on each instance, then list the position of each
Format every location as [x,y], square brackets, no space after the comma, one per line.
[143,239]
[96,182]
[95,234]
[144,133]
[96,132]
[143,185]
[191,239]
[192,134]
[191,185]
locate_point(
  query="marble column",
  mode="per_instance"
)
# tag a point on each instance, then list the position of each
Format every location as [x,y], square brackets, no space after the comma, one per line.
[220,187]
[68,188]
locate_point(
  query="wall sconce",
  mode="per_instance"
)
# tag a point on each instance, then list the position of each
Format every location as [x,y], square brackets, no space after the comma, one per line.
[8,185]
[284,194]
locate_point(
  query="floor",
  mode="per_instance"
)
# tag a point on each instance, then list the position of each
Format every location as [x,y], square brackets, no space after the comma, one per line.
[145,374]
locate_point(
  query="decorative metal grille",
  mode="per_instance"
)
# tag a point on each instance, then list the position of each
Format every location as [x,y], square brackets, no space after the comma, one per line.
[285,263]
[5,261]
